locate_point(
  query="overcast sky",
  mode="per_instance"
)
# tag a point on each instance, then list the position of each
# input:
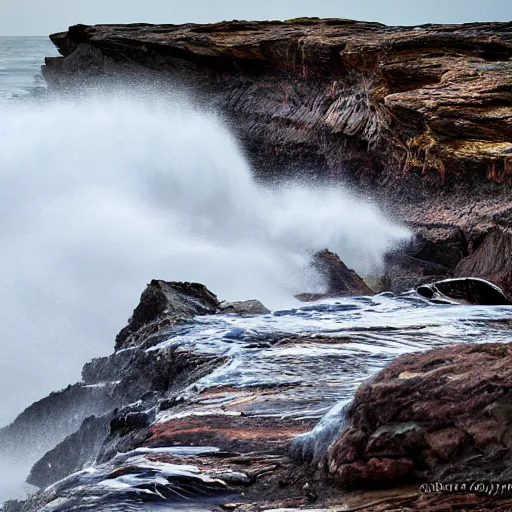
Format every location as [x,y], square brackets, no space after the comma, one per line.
[42,17]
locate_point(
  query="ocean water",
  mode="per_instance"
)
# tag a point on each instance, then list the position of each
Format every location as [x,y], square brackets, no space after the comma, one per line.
[20,64]
[102,193]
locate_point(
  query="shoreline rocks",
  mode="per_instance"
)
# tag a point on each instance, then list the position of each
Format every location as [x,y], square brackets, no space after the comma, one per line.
[443,415]
[465,291]
[172,426]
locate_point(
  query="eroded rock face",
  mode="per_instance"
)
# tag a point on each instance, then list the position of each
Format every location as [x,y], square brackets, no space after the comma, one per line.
[320,92]
[444,414]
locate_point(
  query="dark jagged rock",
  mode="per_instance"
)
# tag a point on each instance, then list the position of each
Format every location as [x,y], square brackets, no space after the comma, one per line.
[141,376]
[164,303]
[444,415]
[71,455]
[50,420]
[111,382]
[340,280]
[466,291]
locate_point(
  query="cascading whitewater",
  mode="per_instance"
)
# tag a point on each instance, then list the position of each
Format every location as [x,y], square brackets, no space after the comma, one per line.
[99,195]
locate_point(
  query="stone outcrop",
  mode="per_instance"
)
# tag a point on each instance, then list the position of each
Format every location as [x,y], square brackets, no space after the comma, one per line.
[351,98]
[161,417]
[444,415]
[184,424]
[339,279]
[465,291]
[53,428]
[164,303]
[419,117]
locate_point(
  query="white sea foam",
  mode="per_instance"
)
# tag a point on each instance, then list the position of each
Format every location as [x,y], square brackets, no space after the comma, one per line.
[99,195]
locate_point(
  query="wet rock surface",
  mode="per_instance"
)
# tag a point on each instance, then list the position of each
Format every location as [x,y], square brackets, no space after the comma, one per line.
[465,291]
[222,411]
[247,307]
[439,416]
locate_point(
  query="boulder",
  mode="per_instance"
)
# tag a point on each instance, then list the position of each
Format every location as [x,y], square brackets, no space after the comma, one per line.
[340,280]
[465,291]
[165,302]
[442,415]
[246,307]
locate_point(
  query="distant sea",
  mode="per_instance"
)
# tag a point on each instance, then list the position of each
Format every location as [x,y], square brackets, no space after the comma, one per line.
[20,64]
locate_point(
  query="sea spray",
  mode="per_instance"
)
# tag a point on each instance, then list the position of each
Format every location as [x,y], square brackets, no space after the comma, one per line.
[312,446]
[98,195]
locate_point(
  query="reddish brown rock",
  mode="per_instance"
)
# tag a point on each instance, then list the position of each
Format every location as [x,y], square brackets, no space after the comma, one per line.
[418,117]
[446,443]
[385,106]
[447,411]
[228,432]
[375,471]
[340,280]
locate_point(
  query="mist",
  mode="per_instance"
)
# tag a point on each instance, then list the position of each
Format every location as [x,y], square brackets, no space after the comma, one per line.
[100,195]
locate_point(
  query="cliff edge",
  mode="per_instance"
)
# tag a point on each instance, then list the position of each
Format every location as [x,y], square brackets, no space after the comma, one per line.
[420,118]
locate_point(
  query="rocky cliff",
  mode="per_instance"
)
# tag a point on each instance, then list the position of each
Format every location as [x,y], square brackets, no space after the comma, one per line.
[419,117]
[217,407]
[195,407]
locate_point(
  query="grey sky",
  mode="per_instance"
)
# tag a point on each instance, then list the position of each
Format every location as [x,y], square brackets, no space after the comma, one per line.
[41,17]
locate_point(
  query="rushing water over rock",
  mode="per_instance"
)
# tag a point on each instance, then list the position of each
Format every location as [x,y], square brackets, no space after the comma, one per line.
[102,193]
[99,194]
[273,378]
